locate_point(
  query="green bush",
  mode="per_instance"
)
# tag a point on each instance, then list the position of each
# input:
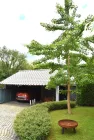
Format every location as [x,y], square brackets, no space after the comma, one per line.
[86,98]
[79,99]
[33,123]
[57,105]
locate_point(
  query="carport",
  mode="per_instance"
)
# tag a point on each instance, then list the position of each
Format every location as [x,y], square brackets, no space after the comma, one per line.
[31,81]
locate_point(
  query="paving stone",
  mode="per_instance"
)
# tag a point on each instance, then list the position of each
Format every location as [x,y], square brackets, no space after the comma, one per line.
[8,112]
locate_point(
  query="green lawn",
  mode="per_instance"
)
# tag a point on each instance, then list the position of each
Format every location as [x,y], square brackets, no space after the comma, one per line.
[85,130]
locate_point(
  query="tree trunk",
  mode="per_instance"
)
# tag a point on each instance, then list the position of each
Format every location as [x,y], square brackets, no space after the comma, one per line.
[68,99]
[68,88]
[67,3]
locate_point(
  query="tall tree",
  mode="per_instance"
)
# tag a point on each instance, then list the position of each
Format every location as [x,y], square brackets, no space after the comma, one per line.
[68,49]
[11,61]
[85,75]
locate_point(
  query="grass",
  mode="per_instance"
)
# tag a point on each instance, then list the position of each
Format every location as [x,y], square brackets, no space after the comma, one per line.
[85,130]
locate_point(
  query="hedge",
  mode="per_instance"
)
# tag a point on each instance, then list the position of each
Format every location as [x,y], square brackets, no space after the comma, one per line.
[86,98]
[33,123]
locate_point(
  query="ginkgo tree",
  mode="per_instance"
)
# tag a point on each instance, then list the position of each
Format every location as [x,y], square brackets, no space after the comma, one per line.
[68,50]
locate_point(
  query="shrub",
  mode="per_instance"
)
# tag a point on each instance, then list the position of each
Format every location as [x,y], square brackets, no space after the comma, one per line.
[57,105]
[33,123]
[86,98]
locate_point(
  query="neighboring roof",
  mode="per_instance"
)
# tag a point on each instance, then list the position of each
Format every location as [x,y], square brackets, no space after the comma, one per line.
[28,77]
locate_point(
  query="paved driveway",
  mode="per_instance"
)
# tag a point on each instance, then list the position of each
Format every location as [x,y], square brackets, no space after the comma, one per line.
[8,112]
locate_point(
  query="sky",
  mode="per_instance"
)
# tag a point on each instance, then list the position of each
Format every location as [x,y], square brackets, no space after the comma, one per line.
[20,21]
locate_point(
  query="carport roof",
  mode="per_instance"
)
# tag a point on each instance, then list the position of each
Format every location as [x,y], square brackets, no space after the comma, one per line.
[28,77]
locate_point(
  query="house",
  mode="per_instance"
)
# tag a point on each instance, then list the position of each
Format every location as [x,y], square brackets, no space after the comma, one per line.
[31,81]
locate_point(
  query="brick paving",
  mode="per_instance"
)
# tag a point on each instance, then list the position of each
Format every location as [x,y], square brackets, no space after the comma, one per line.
[8,112]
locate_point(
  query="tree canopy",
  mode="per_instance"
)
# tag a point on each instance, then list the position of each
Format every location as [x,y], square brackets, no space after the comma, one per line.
[11,61]
[66,53]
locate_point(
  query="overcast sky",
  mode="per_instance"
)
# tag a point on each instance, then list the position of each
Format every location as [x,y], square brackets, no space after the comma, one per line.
[20,21]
